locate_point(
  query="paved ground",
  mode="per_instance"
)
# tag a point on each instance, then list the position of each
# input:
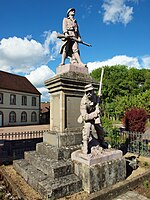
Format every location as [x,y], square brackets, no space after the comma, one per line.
[131,195]
[24,128]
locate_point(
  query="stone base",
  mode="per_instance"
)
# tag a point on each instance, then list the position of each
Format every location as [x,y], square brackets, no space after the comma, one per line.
[56,153]
[89,159]
[49,171]
[100,171]
[71,67]
[59,139]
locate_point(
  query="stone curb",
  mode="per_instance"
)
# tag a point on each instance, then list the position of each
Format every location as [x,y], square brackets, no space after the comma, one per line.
[119,188]
[14,188]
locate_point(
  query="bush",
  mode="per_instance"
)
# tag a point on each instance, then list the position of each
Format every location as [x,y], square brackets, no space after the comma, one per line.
[135,120]
[112,135]
[107,125]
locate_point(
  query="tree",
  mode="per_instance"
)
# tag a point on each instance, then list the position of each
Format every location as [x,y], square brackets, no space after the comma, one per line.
[123,88]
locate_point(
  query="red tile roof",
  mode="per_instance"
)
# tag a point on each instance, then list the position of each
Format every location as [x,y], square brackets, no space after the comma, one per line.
[45,107]
[17,83]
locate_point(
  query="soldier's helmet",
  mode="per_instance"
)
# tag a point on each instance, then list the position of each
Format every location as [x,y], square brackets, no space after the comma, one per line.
[70,9]
[88,87]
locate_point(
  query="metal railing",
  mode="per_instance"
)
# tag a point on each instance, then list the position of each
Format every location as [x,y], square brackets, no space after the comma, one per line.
[139,143]
[22,135]
[133,142]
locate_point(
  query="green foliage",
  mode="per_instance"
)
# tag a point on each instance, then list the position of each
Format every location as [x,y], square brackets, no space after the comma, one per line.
[107,125]
[122,89]
[119,105]
[146,184]
[112,134]
[115,137]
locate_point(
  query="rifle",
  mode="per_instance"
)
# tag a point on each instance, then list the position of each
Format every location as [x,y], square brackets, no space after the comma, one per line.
[100,83]
[97,120]
[62,36]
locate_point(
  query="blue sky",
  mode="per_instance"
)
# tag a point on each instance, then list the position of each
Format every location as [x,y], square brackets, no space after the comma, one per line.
[119,31]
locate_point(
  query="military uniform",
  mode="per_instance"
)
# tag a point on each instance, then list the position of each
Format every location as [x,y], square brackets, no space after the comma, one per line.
[70,47]
[71,28]
[90,116]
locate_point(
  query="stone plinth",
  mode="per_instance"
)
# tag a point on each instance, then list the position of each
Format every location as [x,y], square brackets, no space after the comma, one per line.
[66,90]
[99,171]
[90,159]
[71,67]
[66,93]
[63,139]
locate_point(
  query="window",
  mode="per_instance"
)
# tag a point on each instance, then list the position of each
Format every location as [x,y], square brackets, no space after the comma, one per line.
[24,100]
[23,116]
[33,101]
[12,117]
[1,119]
[1,98]
[13,99]
[33,117]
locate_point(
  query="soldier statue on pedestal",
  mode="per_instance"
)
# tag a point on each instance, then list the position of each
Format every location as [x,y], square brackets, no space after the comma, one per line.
[90,115]
[71,37]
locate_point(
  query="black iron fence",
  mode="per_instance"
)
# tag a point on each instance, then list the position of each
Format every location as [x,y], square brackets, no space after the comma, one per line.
[133,142]
[139,143]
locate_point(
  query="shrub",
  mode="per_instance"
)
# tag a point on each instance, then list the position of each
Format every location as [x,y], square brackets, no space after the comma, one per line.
[135,120]
[112,135]
[107,125]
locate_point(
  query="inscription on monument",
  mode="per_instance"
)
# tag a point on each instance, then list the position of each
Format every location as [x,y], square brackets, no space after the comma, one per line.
[73,105]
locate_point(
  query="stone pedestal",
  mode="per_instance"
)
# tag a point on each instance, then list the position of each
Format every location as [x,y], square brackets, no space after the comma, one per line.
[71,68]
[99,171]
[49,169]
[66,90]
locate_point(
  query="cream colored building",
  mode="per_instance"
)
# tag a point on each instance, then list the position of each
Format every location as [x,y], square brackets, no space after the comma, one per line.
[19,101]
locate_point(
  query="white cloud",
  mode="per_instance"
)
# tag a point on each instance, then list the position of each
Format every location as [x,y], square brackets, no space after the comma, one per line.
[116,60]
[37,78]
[116,11]
[146,62]
[39,75]
[45,95]
[19,55]
[51,39]
[30,58]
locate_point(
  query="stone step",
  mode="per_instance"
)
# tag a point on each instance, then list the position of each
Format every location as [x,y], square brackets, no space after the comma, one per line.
[60,187]
[48,187]
[51,167]
[31,175]
[54,152]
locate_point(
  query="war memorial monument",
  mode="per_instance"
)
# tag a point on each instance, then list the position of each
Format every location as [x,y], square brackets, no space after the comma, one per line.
[73,155]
